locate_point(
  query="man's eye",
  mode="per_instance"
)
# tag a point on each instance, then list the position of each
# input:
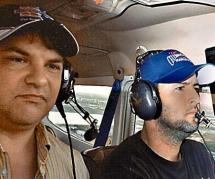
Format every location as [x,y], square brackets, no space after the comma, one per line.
[179,88]
[54,67]
[16,60]
[198,90]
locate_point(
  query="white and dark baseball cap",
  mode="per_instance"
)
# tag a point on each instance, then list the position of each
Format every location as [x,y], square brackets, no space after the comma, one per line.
[14,19]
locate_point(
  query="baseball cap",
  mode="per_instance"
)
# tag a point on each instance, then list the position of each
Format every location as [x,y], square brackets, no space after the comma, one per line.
[172,66]
[15,18]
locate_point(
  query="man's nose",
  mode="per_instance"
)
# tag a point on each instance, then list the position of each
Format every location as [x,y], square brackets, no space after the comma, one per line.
[36,76]
[194,97]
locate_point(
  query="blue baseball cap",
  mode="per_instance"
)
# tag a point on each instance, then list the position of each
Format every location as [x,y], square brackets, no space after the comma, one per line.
[15,18]
[172,66]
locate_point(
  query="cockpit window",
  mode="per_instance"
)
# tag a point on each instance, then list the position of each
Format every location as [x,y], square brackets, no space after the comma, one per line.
[93,100]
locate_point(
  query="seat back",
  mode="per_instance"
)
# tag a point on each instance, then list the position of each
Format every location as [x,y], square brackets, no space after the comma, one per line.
[93,159]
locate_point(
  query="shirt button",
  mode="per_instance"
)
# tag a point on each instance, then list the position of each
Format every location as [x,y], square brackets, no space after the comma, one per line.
[4,172]
[42,170]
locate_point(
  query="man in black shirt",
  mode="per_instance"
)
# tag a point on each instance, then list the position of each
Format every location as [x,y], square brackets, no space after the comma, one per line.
[165,93]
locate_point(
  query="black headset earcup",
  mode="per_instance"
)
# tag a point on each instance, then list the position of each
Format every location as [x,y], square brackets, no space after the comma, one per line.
[66,80]
[145,100]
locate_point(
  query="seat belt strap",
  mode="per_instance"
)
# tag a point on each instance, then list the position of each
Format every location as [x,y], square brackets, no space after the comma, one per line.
[107,119]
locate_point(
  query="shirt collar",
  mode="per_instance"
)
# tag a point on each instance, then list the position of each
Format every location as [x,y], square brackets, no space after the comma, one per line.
[43,143]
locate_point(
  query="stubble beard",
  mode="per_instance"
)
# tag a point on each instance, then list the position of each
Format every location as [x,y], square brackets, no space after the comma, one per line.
[176,131]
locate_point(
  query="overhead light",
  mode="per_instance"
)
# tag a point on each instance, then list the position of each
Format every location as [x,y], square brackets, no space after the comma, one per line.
[106,5]
[99,1]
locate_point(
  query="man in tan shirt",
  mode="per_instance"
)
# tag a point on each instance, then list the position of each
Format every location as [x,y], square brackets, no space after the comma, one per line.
[33,51]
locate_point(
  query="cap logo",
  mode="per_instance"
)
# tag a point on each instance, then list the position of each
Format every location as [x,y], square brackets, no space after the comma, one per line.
[175,57]
[25,11]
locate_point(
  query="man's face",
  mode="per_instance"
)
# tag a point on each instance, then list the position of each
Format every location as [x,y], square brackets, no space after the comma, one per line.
[179,105]
[30,76]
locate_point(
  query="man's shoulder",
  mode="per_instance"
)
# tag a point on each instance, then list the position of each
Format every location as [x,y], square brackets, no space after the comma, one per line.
[61,153]
[56,143]
[189,143]
[60,147]
[200,149]
[122,153]
[129,144]
[125,161]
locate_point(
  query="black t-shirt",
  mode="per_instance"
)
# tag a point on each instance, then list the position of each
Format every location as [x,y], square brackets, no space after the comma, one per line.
[133,159]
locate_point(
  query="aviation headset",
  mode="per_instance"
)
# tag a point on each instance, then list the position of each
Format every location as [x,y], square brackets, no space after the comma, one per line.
[66,79]
[144,97]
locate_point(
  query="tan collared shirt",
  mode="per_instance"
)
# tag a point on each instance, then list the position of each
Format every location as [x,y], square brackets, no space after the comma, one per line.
[54,160]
